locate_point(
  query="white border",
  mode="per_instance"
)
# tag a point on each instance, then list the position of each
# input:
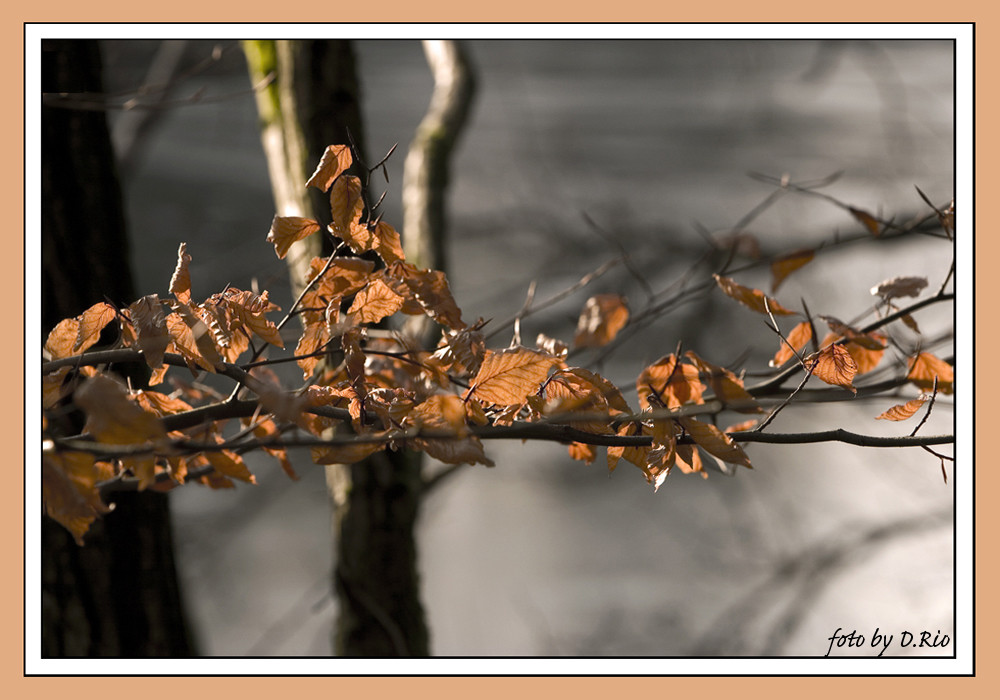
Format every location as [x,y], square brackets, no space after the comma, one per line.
[964,642]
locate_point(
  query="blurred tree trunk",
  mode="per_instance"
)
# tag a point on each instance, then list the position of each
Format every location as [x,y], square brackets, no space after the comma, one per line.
[311,103]
[118,595]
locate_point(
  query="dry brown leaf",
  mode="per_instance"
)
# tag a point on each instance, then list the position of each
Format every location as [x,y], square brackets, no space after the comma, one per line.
[553,346]
[249,309]
[346,204]
[354,357]
[69,493]
[112,417]
[380,237]
[429,288]
[193,338]
[834,365]
[751,298]
[899,287]
[688,460]
[727,386]
[904,410]
[447,412]
[92,322]
[569,390]
[663,452]
[468,450]
[345,454]
[160,404]
[714,441]
[150,324]
[228,463]
[375,302]
[787,264]
[180,281]
[866,340]
[344,277]
[52,387]
[865,357]
[62,339]
[674,384]
[869,221]
[334,161]
[925,367]
[463,350]
[800,335]
[314,337]
[603,316]
[582,452]
[509,377]
[286,230]
[639,456]
[440,412]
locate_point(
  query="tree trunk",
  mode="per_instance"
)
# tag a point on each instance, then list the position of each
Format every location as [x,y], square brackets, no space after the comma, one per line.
[312,102]
[117,595]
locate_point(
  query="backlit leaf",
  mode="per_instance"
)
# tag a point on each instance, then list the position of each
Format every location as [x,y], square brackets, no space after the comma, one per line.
[463,350]
[62,339]
[228,463]
[553,346]
[314,337]
[180,281]
[750,298]
[334,161]
[375,302]
[112,417]
[346,204]
[380,237]
[160,404]
[714,441]
[92,322]
[447,412]
[602,317]
[286,230]
[430,289]
[867,357]
[344,277]
[787,264]
[925,367]
[509,377]
[904,410]
[193,338]
[726,385]
[637,455]
[69,493]
[582,452]
[799,336]
[834,365]
[150,324]
[354,357]
[267,429]
[249,309]
[52,387]
[670,383]
[688,460]
[345,454]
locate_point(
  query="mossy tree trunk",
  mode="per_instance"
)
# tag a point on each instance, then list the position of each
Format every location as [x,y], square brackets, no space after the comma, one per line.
[311,103]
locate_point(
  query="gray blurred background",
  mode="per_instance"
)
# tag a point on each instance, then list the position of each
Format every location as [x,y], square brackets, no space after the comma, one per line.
[653,141]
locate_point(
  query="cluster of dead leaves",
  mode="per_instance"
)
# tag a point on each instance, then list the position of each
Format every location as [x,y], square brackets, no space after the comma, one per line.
[364,391]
